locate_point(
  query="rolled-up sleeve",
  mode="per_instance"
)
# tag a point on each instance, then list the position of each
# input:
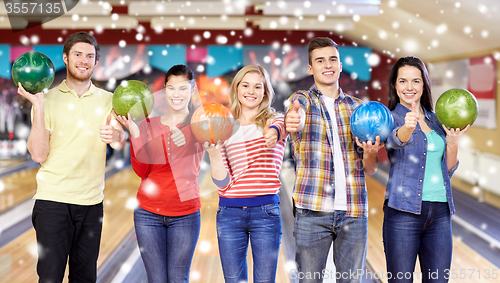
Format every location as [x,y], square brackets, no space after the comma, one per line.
[393,141]
[453,169]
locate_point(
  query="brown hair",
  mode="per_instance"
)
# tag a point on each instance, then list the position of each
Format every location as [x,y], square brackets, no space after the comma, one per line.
[320,42]
[81,37]
[426,98]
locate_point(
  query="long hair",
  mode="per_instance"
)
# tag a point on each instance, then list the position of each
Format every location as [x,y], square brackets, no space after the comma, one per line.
[426,98]
[265,110]
[183,70]
[81,37]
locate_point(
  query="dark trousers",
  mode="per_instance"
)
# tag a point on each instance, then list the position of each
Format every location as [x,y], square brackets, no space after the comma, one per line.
[64,230]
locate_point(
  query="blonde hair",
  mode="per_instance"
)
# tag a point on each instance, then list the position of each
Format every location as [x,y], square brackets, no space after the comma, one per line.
[265,110]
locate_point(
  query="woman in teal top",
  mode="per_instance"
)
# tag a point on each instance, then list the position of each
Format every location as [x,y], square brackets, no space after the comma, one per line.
[418,200]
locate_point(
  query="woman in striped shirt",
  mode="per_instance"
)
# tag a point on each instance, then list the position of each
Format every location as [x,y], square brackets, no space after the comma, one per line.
[246,171]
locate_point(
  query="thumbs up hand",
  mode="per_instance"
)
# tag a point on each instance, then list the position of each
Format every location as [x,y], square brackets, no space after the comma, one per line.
[270,135]
[107,132]
[293,121]
[108,120]
[411,118]
[177,135]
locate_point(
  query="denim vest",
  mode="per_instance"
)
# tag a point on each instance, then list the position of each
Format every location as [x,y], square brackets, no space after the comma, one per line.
[406,176]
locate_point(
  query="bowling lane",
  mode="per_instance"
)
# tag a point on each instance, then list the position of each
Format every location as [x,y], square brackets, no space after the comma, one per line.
[4,163]
[18,257]
[17,187]
[119,202]
[473,266]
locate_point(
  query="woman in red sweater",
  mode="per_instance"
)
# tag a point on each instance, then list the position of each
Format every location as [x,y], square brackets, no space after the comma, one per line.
[167,157]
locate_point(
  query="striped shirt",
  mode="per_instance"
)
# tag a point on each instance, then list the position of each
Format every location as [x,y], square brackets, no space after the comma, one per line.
[253,168]
[313,151]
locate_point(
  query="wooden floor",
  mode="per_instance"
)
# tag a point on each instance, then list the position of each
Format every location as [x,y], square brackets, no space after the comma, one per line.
[472,265]
[206,266]
[17,187]
[18,258]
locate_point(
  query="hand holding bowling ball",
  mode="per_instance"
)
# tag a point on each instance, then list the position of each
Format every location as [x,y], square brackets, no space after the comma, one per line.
[372,119]
[34,70]
[370,148]
[212,123]
[213,150]
[453,135]
[36,99]
[456,108]
[133,97]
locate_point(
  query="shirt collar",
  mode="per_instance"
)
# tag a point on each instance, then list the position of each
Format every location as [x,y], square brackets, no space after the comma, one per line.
[63,87]
[318,93]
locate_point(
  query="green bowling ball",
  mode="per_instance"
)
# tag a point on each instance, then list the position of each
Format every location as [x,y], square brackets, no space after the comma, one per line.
[134,97]
[34,70]
[456,108]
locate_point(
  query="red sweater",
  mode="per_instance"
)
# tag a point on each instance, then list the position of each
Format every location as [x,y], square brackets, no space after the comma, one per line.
[169,173]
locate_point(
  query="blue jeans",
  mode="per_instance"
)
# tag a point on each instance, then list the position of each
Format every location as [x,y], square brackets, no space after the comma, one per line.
[167,244]
[428,235]
[235,225]
[314,232]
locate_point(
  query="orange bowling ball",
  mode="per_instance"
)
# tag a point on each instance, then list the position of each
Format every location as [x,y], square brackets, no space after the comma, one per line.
[212,122]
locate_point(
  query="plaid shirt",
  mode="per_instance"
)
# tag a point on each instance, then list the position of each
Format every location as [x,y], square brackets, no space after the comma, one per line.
[314,187]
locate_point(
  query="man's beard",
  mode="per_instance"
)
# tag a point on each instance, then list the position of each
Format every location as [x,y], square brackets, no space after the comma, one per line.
[80,77]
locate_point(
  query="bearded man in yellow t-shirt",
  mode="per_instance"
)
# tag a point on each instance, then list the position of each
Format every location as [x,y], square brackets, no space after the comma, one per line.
[71,125]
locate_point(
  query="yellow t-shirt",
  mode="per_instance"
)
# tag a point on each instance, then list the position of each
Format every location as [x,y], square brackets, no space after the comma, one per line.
[74,169]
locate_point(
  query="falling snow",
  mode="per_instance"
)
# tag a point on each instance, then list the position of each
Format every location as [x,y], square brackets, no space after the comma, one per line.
[328,188]
[119,164]
[435,179]
[150,188]
[204,246]
[221,39]
[413,158]
[432,38]
[329,204]
[194,275]
[248,32]
[131,203]
[290,265]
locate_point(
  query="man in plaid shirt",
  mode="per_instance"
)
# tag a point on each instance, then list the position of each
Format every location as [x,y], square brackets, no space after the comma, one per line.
[329,194]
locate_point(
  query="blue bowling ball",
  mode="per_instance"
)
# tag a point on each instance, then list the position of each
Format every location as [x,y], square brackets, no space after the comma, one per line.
[372,119]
